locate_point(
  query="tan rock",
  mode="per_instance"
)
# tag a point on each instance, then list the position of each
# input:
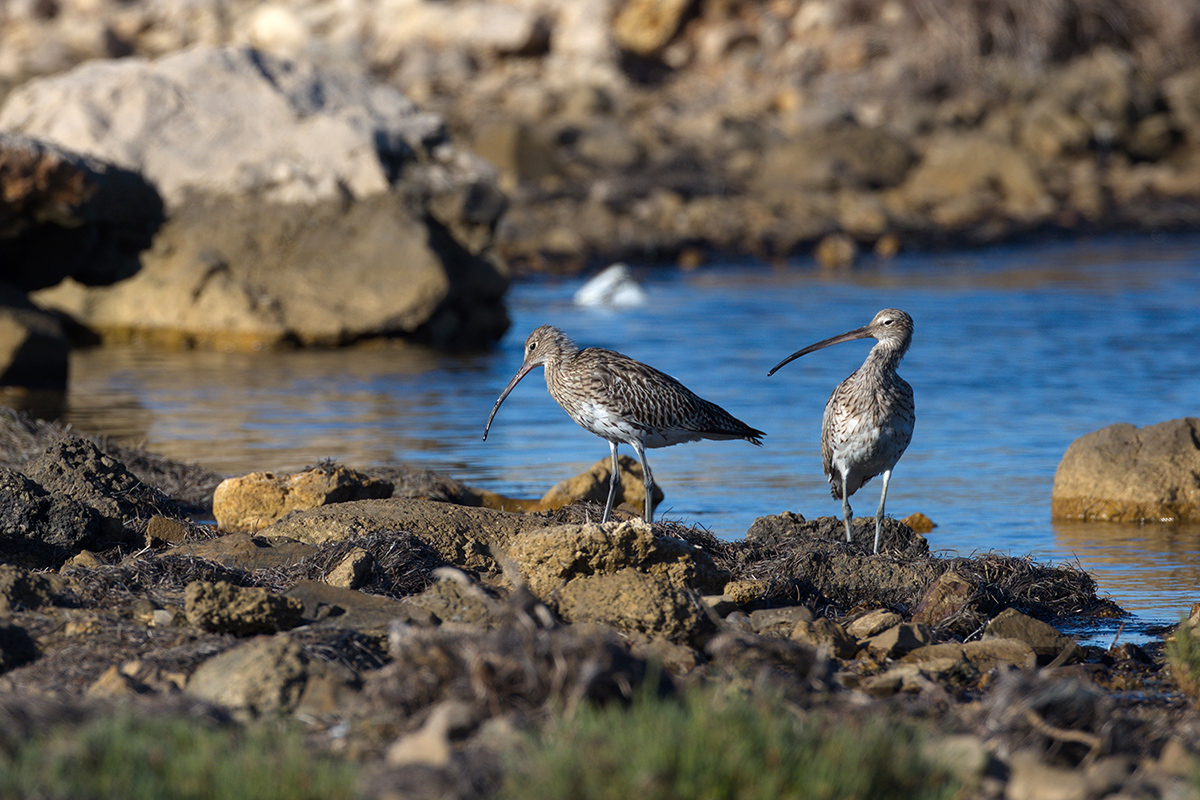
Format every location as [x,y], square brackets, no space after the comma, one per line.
[114,683]
[979,656]
[646,26]
[745,591]
[919,522]
[84,558]
[266,674]
[1127,474]
[460,600]
[906,678]
[165,531]
[827,636]
[1032,779]
[634,602]
[225,608]
[252,502]
[352,571]
[779,621]
[1043,638]
[872,623]
[431,743]
[965,178]
[33,347]
[836,251]
[253,221]
[592,486]
[945,598]
[896,641]
[842,156]
[550,557]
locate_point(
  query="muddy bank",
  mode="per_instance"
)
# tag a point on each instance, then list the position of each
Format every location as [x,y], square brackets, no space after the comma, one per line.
[370,621]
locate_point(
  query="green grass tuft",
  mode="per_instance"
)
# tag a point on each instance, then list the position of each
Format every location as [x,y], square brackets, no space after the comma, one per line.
[717,747]
[1183,657]
[137,758]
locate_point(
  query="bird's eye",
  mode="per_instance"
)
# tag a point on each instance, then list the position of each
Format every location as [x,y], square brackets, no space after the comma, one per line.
[532,346]
[888,321]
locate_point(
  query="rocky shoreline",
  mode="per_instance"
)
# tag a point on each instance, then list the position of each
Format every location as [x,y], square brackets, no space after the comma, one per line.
[368,620]
[312,173]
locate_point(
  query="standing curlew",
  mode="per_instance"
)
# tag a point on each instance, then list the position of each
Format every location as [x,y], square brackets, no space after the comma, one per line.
[622,400]
[869,418]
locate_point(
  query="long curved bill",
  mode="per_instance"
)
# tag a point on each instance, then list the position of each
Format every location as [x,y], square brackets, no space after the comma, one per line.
[848,336]
[521,373]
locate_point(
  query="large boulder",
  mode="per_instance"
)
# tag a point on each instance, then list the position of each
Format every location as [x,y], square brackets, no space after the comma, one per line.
[70,215]
[302,205]
[973,182]
[63,215]
[1127,474]
[620,574]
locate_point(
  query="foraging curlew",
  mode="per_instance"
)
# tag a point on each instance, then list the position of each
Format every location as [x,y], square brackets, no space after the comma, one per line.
[869,418]
[622,400]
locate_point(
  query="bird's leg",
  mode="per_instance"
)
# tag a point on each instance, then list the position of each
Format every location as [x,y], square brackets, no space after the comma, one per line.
[887,476]
[647,479]
[614,481]
[846,512]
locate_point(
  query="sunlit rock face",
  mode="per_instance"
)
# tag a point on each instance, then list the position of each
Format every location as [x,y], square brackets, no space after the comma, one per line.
[302,205]
[1127,474]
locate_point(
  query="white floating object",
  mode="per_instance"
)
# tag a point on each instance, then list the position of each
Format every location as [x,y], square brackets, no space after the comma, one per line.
[614,287]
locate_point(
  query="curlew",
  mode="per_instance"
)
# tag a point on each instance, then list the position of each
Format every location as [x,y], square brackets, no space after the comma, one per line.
[869,418]
[622,400]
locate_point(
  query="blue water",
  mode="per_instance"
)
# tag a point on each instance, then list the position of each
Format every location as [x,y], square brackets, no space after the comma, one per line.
[1017,352]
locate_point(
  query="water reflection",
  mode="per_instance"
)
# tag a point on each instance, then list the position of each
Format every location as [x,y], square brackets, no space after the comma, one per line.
[1154,568]
[238,412]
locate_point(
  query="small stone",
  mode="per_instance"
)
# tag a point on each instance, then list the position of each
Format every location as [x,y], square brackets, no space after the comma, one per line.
[592,487]
[115,683]
[901,639]
[1107,775]
[266,674]
[906,678]
[353,570]
[873,622]
[945,597]
[1043,638]
[743,592]
[251,502]
[977,656]
[84,558]
[1030,779]
[162,618]
[967,757]
[836,251]
[224,608]
[779,621]
[1176,760]
[827,636]
[431,744]
[165,531]
[919,522]
[720,604]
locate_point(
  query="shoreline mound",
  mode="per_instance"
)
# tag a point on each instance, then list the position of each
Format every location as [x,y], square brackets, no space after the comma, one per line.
[429,647]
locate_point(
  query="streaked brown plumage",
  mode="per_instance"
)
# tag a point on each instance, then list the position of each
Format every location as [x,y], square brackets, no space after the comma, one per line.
[869,418]
[622,400]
